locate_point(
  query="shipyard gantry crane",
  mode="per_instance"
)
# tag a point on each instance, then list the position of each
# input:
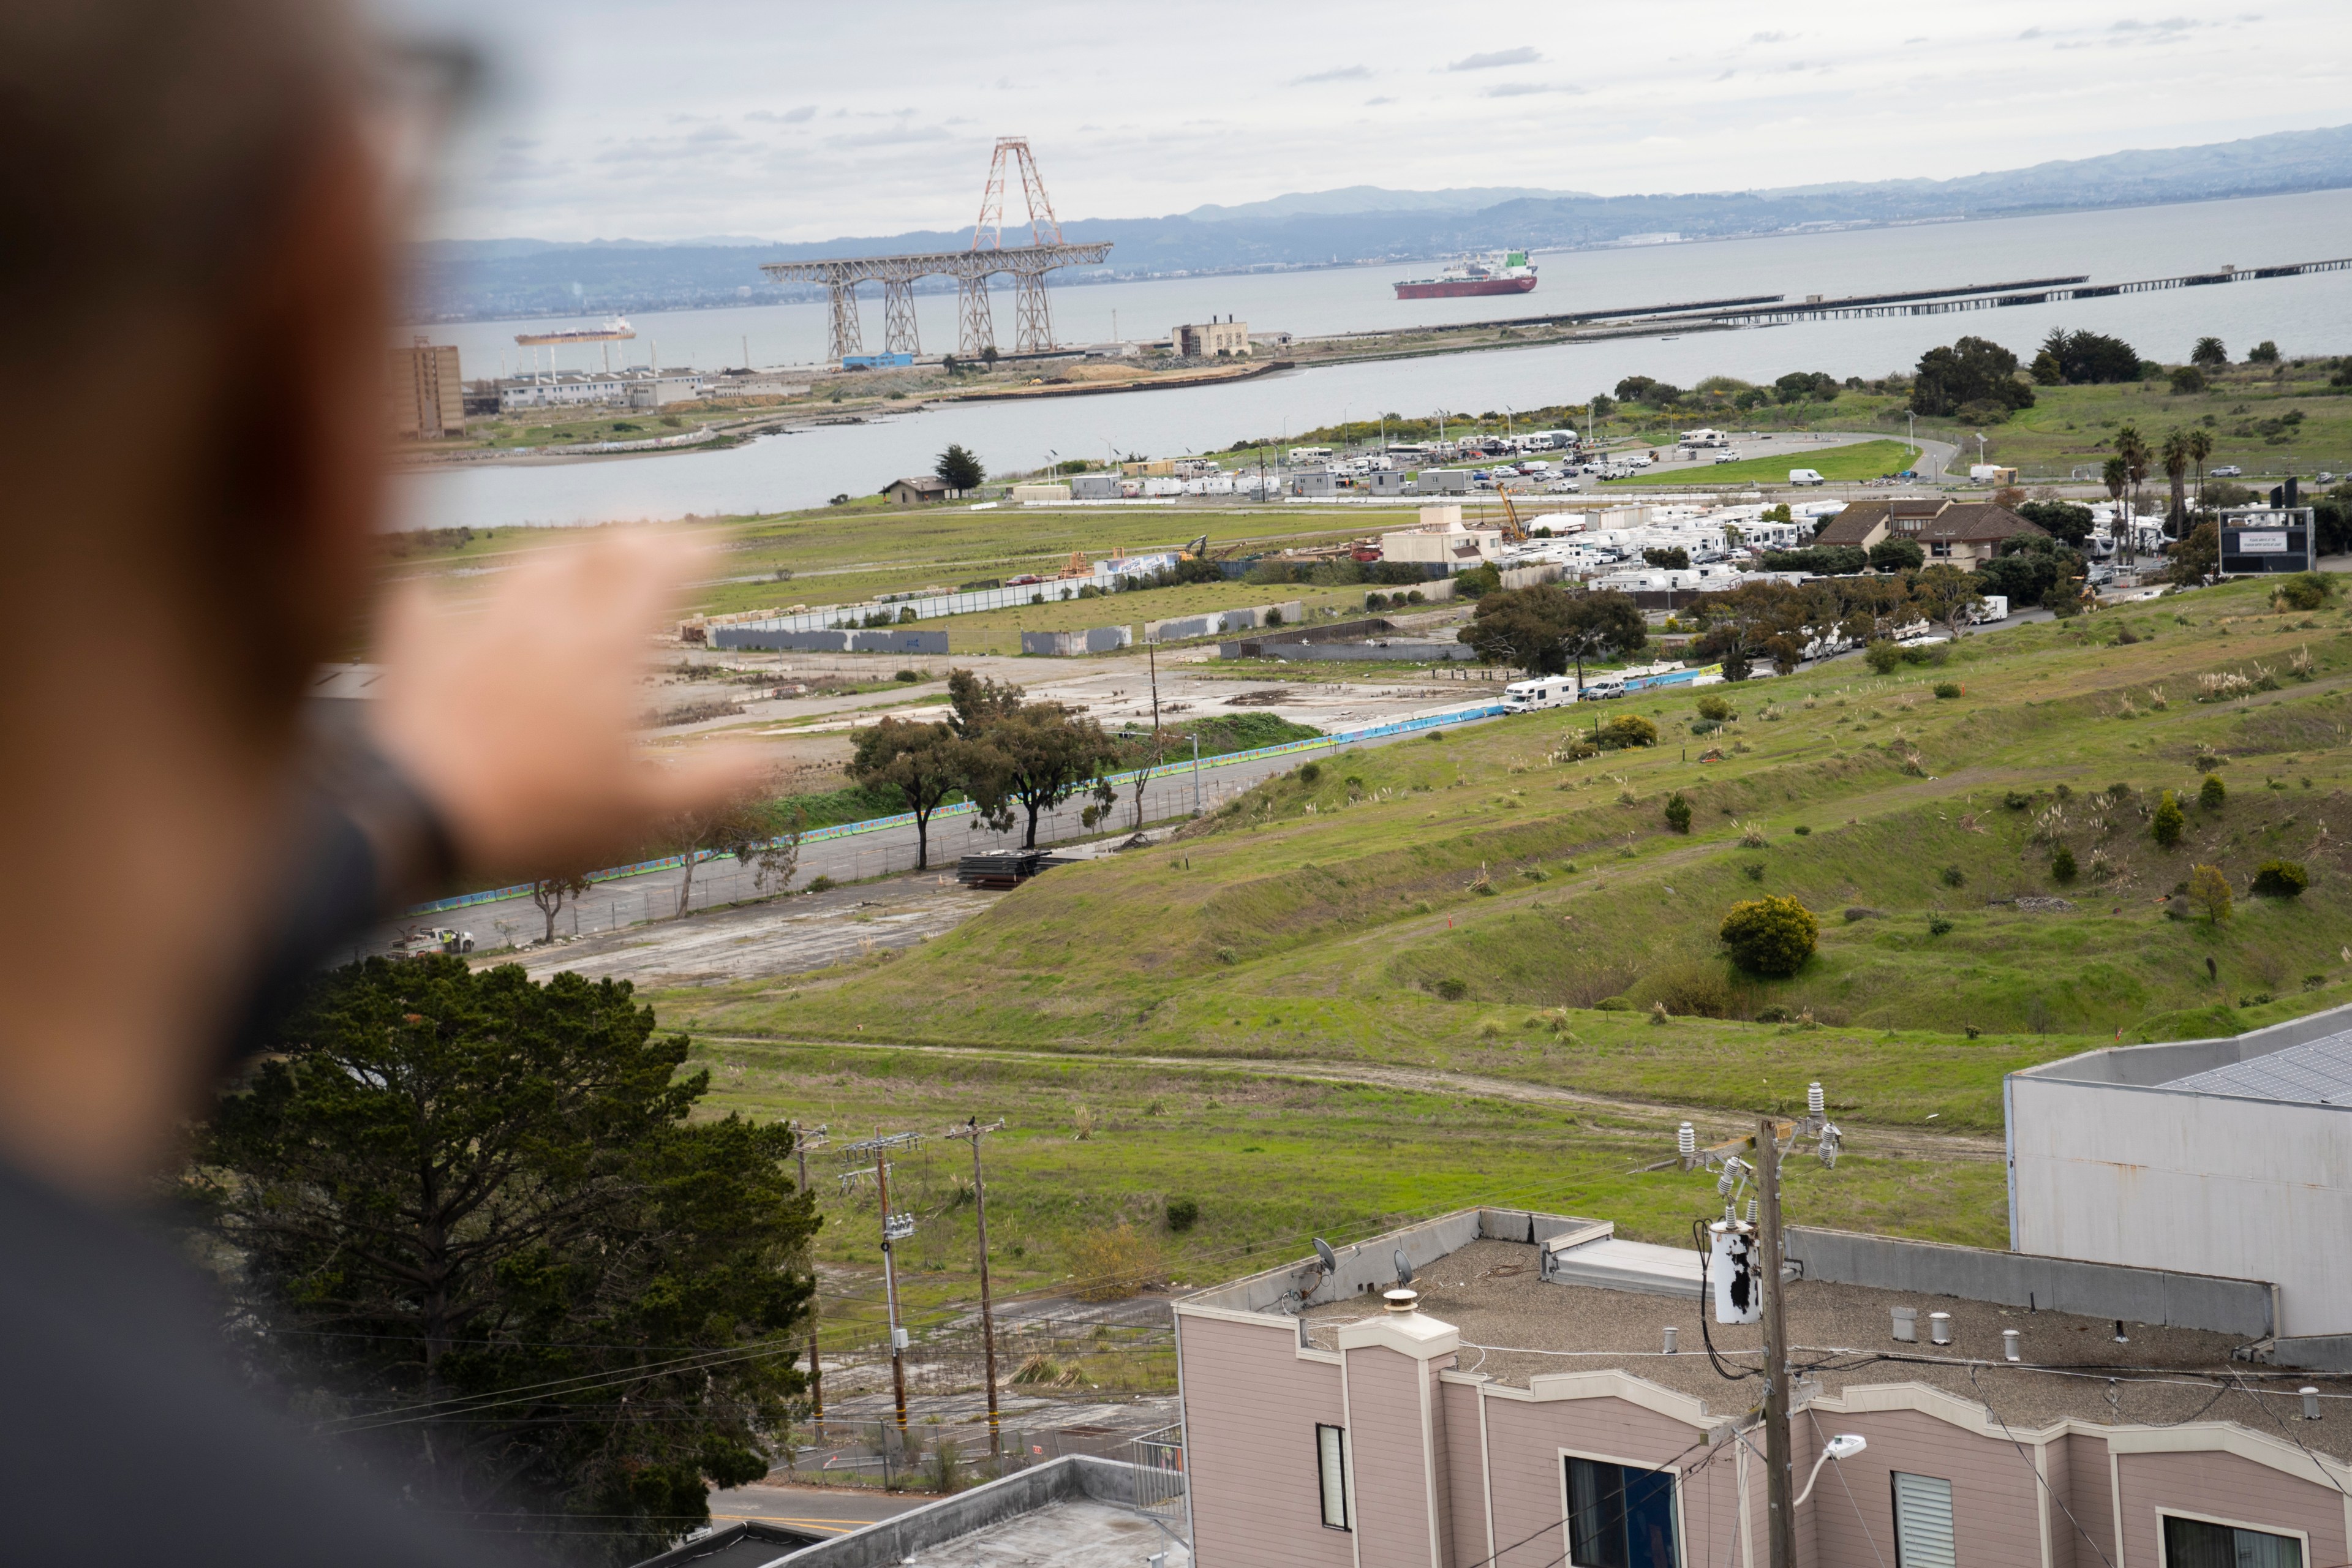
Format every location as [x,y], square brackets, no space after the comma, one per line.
[971,269]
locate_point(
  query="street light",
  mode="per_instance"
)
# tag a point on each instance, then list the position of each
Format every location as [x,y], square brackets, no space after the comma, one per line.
[1844,1445]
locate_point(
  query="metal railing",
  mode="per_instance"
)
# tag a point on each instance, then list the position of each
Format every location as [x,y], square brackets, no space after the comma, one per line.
[1158,1461]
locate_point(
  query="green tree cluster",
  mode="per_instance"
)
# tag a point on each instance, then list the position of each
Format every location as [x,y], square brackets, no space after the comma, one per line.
[959,469]
[1974,373]
[474,1218]
[1544,629]
[2080,359]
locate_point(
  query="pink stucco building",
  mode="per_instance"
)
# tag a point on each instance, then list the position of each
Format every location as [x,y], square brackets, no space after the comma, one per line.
[1525,1412]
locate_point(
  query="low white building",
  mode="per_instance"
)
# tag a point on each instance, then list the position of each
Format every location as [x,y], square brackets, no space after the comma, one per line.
[634,388]
[1443,538]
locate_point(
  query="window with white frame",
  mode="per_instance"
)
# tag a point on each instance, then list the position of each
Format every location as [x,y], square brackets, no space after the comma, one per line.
[2203,1544]
[1620,1516]
[1331,1474]
[1923,1522]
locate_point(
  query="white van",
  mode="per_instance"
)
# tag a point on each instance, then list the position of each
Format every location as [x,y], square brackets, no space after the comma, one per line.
[1806,477]
[1544,691]
[1993,607]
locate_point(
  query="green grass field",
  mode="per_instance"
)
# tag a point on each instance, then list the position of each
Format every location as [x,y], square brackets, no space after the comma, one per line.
[1467,906]
[1861,460]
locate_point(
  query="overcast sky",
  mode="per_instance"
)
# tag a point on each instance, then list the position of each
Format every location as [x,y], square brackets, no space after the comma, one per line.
[612,120]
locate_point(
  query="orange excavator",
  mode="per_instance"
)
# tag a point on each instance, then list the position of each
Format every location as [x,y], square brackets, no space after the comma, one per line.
[1513,531]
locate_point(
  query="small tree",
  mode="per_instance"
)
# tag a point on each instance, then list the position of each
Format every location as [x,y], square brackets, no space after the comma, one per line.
[551,893]
[2061,865]
[2281,880]
[750,829]
[2210,892]
[2213,793]
[1044,754]
[2263,353]
[925,763]
[2209,354]
[1945,593]
[959,469]
[2166,825]
[1678,813]
[1771,935]
[1897,556]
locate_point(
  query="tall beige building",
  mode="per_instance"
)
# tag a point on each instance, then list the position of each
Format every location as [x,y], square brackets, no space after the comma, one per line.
[426,393]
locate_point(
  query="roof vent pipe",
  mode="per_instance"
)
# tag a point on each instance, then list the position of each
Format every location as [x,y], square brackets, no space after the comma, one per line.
[2009,1344]
[2310,1404]
[1940,1328]
[1907,1324]
[1671,1331]
[1401,1300]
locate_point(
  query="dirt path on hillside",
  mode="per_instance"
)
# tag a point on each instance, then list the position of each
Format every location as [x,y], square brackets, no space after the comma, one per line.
[1713,1123]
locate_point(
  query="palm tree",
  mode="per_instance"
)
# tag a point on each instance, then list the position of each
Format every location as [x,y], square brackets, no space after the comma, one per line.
[2116,475]
[2133,450]
[2201,446]
[2176,467]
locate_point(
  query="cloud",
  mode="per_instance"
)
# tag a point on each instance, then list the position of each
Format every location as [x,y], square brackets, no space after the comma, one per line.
[1340,73]
[892,136]
[2169,25]
[800,116]
[1769,37]
[1726,76]
[2029,32]
[1376,102]
[1522,56]
[1525,89]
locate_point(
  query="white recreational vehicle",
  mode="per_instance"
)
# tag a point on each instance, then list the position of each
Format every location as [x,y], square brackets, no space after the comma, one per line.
[1544,691]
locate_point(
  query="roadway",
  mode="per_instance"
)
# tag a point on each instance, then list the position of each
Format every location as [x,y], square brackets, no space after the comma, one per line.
[1171,794]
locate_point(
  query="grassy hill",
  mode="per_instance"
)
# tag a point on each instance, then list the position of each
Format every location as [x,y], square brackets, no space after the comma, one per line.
[1423,973]
[1861,460]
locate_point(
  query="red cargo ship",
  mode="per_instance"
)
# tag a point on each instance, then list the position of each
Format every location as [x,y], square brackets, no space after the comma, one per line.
[1499,272]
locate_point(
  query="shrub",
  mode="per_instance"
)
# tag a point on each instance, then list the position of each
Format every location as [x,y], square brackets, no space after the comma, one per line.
[1113,1263]
[1775,1014]
[1753,870]
[1627,729]
[2210,892]
[1882,657]
[2213,793]
[1801,830]
[1771,935]
[1715,709]
[909,676]
[1939,926]
[1183,1213]
[2166,825]
[1310,773]
[2061,865]
[819,885]
[1953,877]
[1948,690]
[2281,880]
[1453,990]
[1678,813]
[2304,591]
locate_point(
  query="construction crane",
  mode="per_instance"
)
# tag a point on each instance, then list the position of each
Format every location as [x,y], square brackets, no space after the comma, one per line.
[1513,531]
[1194,550]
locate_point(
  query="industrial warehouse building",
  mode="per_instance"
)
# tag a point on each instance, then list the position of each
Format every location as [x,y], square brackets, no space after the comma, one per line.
[1227,338]
[2230,1156]
[1523,1405]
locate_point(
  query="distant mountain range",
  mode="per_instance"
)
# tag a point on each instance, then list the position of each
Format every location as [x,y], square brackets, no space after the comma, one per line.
[474,279]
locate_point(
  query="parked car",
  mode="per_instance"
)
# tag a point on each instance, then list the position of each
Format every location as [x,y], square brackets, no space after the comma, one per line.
[2226,472]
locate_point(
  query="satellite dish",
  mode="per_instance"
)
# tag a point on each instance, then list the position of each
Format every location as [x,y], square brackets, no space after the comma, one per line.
[1331,1258]
[1403,1267]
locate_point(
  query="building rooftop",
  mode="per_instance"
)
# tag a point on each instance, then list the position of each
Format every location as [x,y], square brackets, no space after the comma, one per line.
[1515,1326]
[1929,518]
[2317,1073]
[1079,1533]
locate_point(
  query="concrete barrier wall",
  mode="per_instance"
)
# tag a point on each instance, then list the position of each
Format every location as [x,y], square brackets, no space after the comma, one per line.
[2158,1296]
[882,639]
[1177,628]
[1069,645]
[1394,650]
[895,1540]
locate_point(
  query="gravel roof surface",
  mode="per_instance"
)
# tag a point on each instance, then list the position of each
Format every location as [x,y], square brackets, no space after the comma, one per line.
[1514,1327]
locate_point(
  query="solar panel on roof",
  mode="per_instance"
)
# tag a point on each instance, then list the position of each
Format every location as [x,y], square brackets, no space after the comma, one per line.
[2318,1072]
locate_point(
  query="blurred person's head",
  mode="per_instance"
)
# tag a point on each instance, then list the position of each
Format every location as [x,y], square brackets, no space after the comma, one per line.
[191,406]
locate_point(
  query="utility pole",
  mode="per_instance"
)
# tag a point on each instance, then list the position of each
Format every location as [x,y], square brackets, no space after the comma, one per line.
[1780,1513]
[804,1140]
[1760,1153]
[896,1228]
[973,1130]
